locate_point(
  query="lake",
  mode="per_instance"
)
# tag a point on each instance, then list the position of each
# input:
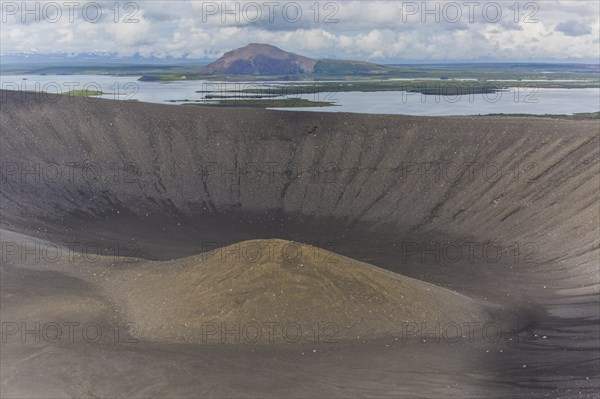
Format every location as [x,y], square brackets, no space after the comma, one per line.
[516,100]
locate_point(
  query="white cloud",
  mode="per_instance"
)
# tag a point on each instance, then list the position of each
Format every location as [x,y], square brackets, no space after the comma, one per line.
[385,31]
[574,27]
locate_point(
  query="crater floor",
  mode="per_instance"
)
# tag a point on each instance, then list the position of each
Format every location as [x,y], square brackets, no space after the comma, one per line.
[144,221]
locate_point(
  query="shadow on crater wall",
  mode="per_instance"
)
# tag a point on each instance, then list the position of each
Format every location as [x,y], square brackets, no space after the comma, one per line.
[497,208]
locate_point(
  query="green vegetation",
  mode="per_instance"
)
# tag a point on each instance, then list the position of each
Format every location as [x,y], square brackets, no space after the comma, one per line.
[446,88]
[328,70]
[84,93]
[354,70]
[578,116]
[281,103]
[162,78]
[427,87]
[338,67]
[587,115]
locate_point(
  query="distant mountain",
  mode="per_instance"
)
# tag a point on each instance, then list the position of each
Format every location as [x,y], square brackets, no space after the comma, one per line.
[264,59]
[260,59]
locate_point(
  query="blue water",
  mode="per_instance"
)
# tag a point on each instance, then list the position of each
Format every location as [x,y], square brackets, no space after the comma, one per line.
[516,100]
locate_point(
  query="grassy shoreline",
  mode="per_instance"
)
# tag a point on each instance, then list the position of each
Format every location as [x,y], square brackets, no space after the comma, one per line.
[577,116]
[270,103]
[426,87]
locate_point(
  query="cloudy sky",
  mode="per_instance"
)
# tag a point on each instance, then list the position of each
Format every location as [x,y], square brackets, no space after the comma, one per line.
[384,32]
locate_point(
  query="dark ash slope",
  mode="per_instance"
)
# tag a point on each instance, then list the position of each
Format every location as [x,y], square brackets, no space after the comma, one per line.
[379,189]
